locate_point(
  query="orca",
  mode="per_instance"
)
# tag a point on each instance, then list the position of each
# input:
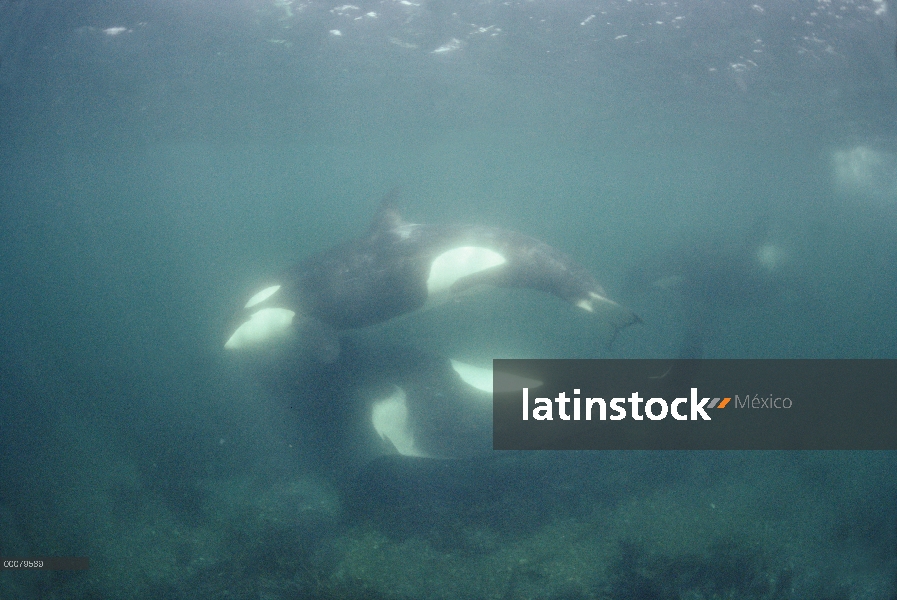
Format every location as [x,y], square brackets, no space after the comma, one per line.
[401,267]
[439,409]
[713,272]
[382,399]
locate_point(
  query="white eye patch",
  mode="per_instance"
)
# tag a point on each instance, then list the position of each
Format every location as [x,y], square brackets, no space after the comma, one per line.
[476,377]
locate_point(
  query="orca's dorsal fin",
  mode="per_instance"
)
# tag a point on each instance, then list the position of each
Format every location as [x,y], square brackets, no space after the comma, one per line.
[388,216]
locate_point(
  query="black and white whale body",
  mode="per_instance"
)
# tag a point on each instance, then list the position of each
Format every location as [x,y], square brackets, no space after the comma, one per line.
[386,399]
[402,267]
[379,399]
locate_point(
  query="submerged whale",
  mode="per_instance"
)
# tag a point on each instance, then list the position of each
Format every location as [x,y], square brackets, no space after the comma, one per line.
[381,399]
[712,273]
[384,399]
[401,267]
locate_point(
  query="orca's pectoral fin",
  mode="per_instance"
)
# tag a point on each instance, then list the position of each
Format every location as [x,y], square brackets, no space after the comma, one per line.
[319,341]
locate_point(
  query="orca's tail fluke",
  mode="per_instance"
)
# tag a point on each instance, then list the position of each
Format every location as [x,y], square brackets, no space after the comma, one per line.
[616,317]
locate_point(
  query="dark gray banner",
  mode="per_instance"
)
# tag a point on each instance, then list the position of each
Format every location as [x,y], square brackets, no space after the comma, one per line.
[695,404]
